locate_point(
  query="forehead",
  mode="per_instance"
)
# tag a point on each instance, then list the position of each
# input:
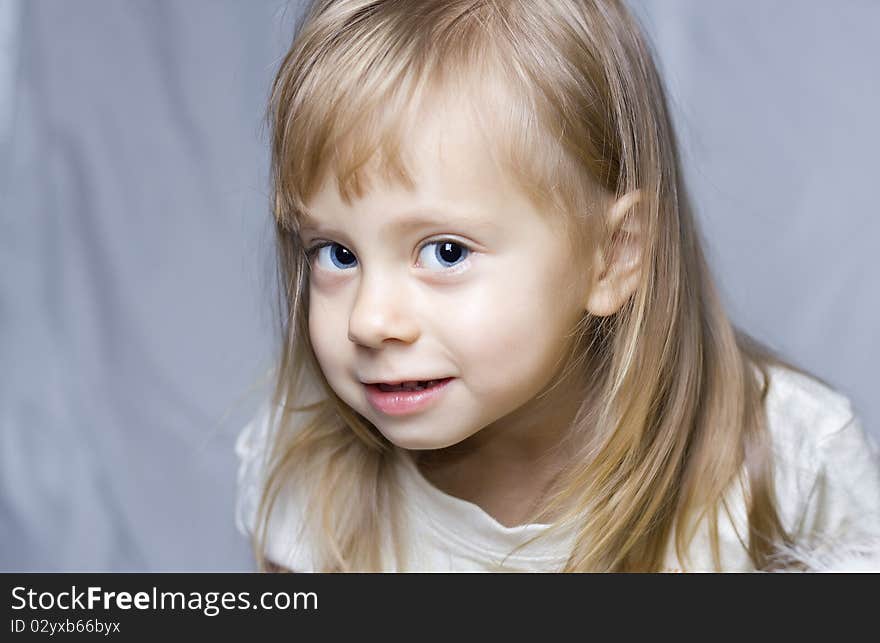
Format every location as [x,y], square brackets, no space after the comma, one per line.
[454,164]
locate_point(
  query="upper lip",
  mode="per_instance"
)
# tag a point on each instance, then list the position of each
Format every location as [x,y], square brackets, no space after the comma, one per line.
[401,380]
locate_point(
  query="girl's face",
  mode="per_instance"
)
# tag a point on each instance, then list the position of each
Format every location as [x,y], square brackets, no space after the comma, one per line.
[460,278]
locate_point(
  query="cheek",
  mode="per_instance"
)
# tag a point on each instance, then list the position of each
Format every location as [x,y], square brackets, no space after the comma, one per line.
[510,337]
[324,329]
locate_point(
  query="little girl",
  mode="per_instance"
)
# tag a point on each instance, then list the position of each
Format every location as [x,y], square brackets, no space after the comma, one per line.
[502,348]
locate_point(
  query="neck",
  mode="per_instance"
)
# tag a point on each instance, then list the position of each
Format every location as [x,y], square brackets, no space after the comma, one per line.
[508,466]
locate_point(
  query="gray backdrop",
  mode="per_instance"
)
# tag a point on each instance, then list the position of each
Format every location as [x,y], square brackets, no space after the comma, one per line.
[136,247]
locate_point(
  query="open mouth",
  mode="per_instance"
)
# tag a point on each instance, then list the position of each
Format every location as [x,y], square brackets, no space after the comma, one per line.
[410,386]
[406,398]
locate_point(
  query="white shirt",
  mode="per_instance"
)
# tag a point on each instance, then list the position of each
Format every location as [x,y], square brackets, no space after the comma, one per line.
[827,486]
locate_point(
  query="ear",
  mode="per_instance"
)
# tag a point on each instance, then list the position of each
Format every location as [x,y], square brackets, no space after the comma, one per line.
[618,258]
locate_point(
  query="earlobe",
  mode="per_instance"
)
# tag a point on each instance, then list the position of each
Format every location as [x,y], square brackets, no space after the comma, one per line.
[618,258]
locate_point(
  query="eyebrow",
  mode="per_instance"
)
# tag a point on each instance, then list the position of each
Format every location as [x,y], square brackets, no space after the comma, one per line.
[411,221]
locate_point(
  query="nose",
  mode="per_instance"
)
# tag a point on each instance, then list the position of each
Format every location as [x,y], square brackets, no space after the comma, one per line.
[381,312]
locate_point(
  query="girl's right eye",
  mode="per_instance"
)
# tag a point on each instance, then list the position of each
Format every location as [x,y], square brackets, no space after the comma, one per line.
[332,255]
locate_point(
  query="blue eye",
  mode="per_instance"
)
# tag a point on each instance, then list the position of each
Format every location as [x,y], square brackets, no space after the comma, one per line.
[339,256]
[443,254]
[446,253]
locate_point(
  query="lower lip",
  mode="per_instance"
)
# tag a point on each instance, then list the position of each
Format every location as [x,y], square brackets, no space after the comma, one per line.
[404,402]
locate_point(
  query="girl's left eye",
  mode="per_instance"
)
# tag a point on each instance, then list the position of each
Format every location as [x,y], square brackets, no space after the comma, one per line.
[444,253]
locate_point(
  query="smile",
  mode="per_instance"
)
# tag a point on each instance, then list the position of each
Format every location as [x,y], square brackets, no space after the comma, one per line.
[406,398]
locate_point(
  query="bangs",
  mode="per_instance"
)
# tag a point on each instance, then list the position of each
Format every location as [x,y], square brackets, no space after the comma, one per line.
[347,99]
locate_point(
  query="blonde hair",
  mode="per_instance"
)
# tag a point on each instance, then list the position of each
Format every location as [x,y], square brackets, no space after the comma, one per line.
[676,418]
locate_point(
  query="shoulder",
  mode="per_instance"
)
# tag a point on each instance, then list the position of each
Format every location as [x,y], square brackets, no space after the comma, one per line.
[827,466]
[801,410]
[284,541]
[811,425]
[252,450]
[826,482]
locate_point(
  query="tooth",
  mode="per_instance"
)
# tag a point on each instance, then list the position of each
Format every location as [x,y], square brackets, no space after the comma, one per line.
[411,385]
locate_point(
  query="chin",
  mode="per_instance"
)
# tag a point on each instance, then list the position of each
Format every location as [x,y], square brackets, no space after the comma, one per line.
[413,441]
